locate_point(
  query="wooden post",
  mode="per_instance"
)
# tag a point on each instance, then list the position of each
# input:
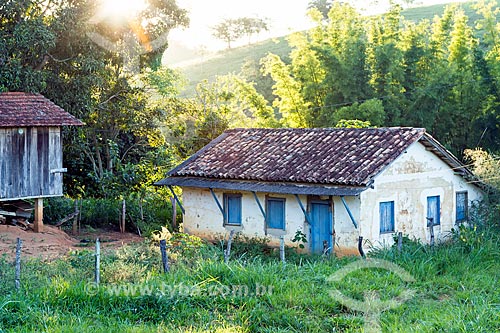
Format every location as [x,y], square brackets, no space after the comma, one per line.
[227,251]
[360,247]
[124,215]
[38,222]
[334,236]
[174,213]
[400,242]
[430,224]
[432,233]
[97,261]
[164,256]
[282,249]
[18,263]
[75,220]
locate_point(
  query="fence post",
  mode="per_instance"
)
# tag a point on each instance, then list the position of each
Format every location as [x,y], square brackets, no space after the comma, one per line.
[227,251]
[360,247]
[124,216]
[282,249]
[400,242]
[174,213]
[75,228]
[164,256]
[97,261]
[18,263]
[430,224]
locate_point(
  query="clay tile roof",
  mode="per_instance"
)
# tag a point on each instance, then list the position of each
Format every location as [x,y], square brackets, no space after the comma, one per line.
[341,156]
[19,109]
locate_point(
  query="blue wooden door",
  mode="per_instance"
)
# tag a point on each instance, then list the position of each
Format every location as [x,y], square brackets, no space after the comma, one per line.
[321,228]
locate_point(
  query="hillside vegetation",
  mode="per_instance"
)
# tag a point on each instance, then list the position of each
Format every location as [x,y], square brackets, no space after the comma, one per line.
[233,60]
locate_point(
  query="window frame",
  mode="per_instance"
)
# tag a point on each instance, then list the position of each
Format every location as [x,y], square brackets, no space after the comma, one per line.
[392,217]
[275,199]
[226,197]
[466,206]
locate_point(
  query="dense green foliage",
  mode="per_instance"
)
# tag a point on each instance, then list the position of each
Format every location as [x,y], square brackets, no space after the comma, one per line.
[46,48]
[440,75]
[455,289]
[350,70]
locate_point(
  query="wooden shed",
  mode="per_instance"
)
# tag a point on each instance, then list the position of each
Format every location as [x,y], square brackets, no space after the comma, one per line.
[31,149]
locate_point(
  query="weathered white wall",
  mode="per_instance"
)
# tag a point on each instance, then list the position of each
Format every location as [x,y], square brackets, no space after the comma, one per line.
[204,219]
[408,182]
[346,234]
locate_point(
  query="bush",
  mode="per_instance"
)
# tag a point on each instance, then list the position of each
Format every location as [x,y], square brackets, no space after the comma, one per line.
[147,214]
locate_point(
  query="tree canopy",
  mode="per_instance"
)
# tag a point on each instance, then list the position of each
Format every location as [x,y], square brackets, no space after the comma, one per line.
[442,75]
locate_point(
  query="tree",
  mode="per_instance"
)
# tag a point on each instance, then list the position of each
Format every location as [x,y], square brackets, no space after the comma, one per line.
[229,30]
[252,25]
[227,102]
[45,48]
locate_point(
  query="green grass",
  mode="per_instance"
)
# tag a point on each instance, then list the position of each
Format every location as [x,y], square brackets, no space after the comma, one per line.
[455,290]
[428,12]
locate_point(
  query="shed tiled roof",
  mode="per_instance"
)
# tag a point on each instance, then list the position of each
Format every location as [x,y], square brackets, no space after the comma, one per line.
[347,157]
[19,109]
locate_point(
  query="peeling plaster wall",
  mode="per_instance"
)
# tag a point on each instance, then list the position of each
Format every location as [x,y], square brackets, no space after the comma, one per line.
[408,182]
[346,234]
[204,219]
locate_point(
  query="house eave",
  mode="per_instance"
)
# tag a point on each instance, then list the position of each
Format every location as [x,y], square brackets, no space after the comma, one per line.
[266,187]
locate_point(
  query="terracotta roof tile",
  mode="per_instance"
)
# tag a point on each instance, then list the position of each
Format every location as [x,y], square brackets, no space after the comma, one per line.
[19,109]
[322,156]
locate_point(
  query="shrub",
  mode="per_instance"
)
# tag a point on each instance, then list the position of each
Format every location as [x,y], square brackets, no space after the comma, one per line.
[146,214]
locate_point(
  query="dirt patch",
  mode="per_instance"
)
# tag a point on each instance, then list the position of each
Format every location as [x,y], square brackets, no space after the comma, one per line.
[53,242]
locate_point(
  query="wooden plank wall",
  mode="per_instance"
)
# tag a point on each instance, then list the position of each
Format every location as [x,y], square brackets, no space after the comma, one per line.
[26,157]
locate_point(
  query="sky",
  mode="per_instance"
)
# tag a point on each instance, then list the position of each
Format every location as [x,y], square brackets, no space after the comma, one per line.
[285,17]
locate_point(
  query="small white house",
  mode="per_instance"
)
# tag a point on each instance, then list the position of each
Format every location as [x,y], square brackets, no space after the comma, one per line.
[334,185]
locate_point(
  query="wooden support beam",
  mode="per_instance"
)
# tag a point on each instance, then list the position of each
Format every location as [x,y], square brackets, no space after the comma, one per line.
[218,203]
[306,214]
[353,220]
[177,199]
[38,222]
[259,204]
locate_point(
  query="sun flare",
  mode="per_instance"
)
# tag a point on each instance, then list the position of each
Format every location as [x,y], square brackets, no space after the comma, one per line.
[121,9]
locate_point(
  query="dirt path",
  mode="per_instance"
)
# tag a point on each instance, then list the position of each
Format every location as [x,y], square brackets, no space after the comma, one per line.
[53,242]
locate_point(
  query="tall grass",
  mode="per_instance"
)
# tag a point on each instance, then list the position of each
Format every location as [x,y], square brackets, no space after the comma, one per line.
[456,290]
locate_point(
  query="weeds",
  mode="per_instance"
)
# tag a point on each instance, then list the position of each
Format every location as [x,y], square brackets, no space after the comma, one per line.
[456,289]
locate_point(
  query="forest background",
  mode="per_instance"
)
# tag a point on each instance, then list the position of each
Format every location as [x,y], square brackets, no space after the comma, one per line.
[349,70]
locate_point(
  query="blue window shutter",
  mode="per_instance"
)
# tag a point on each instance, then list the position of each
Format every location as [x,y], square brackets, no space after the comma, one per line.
[387,216]
[275,213]
[232,206]
[462,206]
[434,209]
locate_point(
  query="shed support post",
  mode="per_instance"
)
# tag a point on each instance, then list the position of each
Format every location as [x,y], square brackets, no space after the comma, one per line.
[38,222]
[349,212]
[176,199]
[306,214]
[259,204]
[218,203]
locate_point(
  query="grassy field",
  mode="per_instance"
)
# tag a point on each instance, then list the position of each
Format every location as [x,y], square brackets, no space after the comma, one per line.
[231,61]
[455,289]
